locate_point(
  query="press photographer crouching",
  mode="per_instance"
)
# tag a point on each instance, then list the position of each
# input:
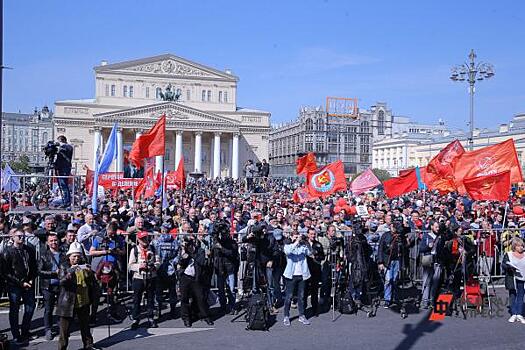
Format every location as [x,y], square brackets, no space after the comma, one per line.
[192,279]
[76,290]
[225,259]
[143,262]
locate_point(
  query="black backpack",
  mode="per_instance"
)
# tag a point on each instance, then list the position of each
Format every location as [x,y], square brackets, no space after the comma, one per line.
[347,305]
[258,315]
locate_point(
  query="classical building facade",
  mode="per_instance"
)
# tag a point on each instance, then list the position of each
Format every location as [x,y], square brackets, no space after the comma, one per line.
[26,134]
[331,138]
[205,125]
[417,149]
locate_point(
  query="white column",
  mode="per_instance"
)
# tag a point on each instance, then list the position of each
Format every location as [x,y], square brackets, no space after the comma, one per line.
[159,164]
[211,157]
[198,151]
[120,151]
[217,155]
[178,148]
[97,145]
[235,156]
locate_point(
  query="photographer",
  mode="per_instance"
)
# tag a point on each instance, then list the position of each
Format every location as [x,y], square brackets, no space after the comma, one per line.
[225,259]
[192,262]
[167,247]
[63,168]
[48,267]
[296,274]
[143,262]
[76,289]
[19,269]
[314,265]
[427,261]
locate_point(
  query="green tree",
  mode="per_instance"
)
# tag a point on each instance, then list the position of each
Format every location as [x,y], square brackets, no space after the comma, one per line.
[381,174]
[21,166]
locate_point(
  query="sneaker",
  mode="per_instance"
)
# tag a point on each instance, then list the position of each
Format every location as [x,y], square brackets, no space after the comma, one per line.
[49,335]
[294,306]
[387,304]
[513,318]
[520,318]
[286,321]
[304,320]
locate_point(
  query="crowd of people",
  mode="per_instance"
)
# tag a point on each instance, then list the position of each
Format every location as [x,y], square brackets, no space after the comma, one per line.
[219,236]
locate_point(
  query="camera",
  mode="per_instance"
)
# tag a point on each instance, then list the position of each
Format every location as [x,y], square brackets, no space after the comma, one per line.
[51,149]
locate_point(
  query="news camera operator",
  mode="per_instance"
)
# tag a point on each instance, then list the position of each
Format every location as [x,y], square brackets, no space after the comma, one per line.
[63,164]
[225,257]
[192,277]
[143,262]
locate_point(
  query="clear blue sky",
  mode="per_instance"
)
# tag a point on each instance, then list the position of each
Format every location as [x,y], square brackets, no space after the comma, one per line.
[286,53]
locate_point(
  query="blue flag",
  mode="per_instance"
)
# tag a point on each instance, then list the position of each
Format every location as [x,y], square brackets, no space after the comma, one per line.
[9,182]
[103,163]
[420,184]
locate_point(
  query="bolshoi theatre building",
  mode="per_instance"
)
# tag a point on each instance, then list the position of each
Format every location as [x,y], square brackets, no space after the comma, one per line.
[204,124]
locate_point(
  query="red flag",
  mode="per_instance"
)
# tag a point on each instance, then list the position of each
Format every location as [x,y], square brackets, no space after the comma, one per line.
[489,187]
[149,144]
[149,184]
[301,195]
[180,177]
[327,180]
[367,180]
[89,181]
[488,160]
[407,182]
[443,163]
[306,164]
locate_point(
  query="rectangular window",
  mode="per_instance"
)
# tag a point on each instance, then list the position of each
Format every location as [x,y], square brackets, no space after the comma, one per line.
[131,91]
[188,95]
[147,92]
[125,91]
[113,90]
[203,95]
[220,96]
[225,96]
[107,90]
[209,95]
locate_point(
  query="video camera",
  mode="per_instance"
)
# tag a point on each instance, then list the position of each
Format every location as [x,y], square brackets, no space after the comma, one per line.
[51,149]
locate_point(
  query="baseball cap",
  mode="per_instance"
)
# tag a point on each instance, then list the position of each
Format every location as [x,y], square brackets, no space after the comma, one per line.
[142,234]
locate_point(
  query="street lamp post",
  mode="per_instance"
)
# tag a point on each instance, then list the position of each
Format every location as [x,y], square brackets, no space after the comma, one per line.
[471,72]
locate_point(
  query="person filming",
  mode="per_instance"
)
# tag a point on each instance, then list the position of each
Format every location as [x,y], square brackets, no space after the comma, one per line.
[63,168]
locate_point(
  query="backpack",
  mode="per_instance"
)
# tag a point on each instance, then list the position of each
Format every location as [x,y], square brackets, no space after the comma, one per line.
[347,305]
[258,315]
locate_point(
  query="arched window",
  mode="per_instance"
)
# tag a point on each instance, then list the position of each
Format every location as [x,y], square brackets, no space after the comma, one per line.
[157,93]
[320,125]
[365,127]
[125,91]
[309,124]
[381,123]
[44,137]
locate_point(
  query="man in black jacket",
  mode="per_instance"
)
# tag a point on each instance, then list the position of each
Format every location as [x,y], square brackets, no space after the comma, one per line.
[19,268]
[48,267]
[191,265]
[314,265]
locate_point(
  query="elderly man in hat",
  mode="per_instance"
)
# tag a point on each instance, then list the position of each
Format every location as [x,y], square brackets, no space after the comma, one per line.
[76,287]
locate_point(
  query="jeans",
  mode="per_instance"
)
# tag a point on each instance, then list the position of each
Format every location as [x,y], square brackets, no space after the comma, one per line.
[64,187]
[291,284]
[139,287]
[516,298]
[190,288]
[222,281]
[428,274]
[390,279]
[50,298]
[28,300]
[273,276]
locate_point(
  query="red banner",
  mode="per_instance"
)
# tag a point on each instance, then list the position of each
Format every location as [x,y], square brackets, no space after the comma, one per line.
[111,181]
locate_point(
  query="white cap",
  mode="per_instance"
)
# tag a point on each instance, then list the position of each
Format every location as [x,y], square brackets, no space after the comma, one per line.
[74,248]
